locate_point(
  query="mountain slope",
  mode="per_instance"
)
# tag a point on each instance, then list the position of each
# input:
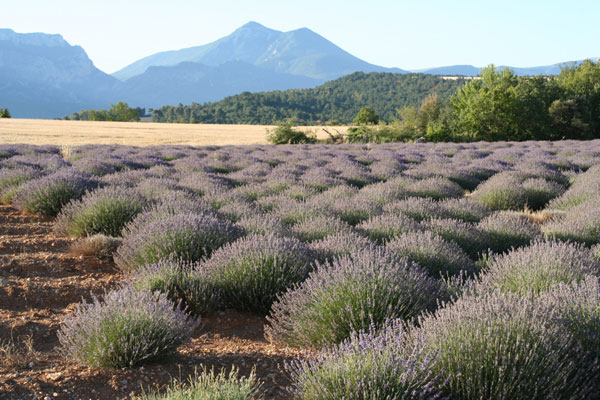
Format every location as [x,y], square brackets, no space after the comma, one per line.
[298,52]
[189,82]
[335,100]
[42,76]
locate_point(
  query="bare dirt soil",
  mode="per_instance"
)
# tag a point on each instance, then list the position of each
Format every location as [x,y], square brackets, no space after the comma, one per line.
[40,283]
[72,133]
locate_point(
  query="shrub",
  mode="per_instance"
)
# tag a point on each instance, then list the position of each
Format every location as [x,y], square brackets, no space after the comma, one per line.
[585,186]
[184,237]
[537,268]
[284,133]
[339,244]
[174,203]
[105,211]
[47,195]
[516,191]
[14,177]
[372,365]
[263,224]
[348,295]
[366,116]
[580,223]
[98,245]
[319,227]
[435,255]
[501,192]
[416,208]
[540,191]
[126,329]
[211,386]
[186,284]
[291,211]
[470,239]
[508,229]
[383,228]
[435,188]
[463,209]
[354,211]
[252,271]
[502,346]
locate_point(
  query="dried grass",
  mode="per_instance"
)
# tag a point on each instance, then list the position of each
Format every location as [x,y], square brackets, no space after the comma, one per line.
[73,133]
[100,246]
[542,216]
[18,354]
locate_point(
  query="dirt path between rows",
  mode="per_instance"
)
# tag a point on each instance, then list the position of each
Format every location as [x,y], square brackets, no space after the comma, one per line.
[40,283]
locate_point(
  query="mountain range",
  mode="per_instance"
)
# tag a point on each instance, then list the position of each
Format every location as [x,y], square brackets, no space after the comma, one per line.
[43,76]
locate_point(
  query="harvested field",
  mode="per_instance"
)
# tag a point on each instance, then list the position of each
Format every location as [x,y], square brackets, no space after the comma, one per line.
[72,133]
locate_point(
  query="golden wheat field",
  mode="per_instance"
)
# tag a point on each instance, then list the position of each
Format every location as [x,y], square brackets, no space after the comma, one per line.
[72,133]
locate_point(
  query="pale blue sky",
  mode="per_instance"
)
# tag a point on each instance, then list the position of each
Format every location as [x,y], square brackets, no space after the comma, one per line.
[405,34]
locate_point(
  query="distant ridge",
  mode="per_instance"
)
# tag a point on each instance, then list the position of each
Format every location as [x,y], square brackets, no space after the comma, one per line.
[298,52]
[43,76]
[469,70]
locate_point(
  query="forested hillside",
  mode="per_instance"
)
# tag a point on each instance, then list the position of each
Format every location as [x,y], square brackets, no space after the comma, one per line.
[337,100]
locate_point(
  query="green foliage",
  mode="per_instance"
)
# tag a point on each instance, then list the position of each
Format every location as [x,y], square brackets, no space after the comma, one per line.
[366,116]
[336,102]
[211,386]
[498,105]
[502,106]
[284,133]
[4,113]
[117,112]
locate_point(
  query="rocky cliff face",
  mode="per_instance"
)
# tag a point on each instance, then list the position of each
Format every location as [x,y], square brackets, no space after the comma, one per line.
[42,75]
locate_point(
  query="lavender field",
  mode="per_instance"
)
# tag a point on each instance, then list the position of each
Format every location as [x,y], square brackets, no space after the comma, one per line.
[405,271]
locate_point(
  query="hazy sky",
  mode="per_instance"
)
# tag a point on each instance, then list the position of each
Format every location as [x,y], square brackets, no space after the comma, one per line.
[405,34]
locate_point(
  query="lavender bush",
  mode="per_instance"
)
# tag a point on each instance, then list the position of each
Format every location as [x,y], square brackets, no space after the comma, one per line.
[185,237]
[507,230]
[339,244]
[47,195]
[503,346]
[350,294]
[371,365]
[469,238]
[126,329]
[319,227]
[432,253]
[209,385]
[105,211]
[539,267]
[384,228]
[580,223]
[252,271]
[435,188]
[185,284]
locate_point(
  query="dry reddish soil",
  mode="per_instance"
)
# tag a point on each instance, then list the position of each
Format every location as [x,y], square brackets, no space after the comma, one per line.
[41,283]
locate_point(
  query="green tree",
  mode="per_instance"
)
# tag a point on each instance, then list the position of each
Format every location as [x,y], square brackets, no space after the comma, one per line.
[488,108]
[580,100]
[366,116]
[4,113]
[429,112]
[122,112]
[285,133]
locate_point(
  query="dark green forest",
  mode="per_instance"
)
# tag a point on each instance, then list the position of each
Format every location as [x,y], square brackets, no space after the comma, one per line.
[336,101]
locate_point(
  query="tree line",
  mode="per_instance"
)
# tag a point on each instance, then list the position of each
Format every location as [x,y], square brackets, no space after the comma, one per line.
[503,106]
[335,102]
[117,112]
[497,106]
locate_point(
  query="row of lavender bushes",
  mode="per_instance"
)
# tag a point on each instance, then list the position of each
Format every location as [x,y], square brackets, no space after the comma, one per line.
[415,271]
